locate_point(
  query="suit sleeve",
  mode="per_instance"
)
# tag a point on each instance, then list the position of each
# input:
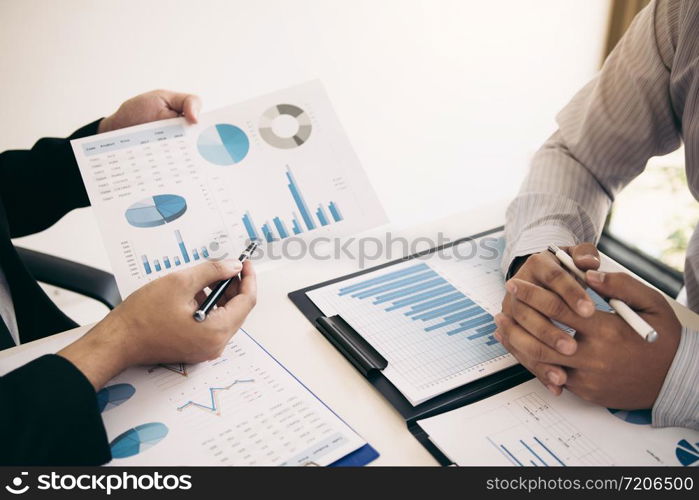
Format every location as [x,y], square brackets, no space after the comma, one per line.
[40,185]
[49,416]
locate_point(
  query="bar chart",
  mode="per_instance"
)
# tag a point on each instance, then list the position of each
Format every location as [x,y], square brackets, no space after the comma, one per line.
[309,220]
[542,437]
[425,297]
[193,254]
[434,335]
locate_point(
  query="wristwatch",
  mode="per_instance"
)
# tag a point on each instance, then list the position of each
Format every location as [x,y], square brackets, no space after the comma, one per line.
[515,265]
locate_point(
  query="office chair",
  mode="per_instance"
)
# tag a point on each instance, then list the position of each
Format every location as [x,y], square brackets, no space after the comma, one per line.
[78,278]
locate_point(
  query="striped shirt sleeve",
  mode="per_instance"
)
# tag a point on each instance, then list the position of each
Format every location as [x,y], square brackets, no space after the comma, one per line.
[677,404]
[606,134]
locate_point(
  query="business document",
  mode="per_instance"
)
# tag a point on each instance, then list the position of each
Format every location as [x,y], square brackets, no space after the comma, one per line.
[528,426]
[431,317]
[242,408]
[168,194]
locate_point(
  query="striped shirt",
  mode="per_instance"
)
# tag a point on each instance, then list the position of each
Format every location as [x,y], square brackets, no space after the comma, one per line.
[643,103]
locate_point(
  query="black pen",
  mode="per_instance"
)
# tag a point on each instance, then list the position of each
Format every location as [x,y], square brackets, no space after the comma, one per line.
[216,293]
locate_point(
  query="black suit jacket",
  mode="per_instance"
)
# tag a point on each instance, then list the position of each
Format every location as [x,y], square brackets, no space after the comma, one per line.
[48,409]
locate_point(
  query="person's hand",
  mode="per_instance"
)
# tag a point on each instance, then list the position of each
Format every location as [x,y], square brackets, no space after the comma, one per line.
[612,365]
[545,272]
[155,323]
[152,106]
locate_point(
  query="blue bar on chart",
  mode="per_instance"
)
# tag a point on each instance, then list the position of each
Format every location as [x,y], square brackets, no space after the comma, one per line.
[267,232]
[250,227]
[483,331]
[384,278]
[419,293]
[177,261]
[335,211]
[439,301]
[282,223]
[156,263]
[299,200]
[180,243]
[281,228]
[195,254]
[204,252]
[534,452]
[322,217]
[470,323]
[146,264]
[296,225]
[166,261]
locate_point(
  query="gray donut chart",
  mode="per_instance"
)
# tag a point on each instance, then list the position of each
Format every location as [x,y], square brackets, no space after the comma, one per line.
[301,135]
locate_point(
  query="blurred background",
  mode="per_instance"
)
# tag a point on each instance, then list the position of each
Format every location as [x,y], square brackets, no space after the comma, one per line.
[442,99]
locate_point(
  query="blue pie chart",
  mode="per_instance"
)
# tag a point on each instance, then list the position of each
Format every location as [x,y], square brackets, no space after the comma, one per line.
[223,144]
[114,395]
[138,439]
[156,210]
[687,453]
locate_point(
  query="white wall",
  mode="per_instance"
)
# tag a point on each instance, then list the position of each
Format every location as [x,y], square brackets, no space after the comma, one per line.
[444,100]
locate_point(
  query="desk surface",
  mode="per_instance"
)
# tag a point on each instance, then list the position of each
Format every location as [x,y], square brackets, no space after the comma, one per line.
[284,331]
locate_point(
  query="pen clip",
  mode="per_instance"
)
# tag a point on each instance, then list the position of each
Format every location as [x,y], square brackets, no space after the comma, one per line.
[352,345]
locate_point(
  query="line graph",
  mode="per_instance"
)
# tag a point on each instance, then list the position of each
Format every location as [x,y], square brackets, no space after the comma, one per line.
[213,406]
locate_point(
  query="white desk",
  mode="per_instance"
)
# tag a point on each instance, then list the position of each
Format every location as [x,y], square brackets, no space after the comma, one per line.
[286,333]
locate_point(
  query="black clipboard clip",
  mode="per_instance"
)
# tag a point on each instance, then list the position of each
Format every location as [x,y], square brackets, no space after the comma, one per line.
[352,345]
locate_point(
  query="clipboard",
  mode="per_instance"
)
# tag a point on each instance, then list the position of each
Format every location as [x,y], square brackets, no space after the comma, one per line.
[370,363]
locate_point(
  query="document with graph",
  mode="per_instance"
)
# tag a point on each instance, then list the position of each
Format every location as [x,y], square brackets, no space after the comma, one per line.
[528,426]
[431,318]
[243,408]
[169,195]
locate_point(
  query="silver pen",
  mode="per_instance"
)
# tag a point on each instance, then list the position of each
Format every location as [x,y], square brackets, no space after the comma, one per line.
[631,317]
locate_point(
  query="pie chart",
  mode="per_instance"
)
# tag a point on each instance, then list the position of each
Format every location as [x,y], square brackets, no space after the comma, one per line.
[138,439]
[114,395]
[638,417]
[303,126]
[223,144]
[156,210]
[687,453]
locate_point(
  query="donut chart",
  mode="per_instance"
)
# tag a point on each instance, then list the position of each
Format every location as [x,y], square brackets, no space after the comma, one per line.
[298,138]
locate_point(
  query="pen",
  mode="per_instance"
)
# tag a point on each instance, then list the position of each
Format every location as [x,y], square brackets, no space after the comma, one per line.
[631,317]
[216,293]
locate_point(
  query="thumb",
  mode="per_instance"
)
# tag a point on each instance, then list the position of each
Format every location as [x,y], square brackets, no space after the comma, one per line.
[199,277]
[585,256]
[625,287]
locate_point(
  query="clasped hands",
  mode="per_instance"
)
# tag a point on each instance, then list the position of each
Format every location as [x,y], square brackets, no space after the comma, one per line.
[606,362]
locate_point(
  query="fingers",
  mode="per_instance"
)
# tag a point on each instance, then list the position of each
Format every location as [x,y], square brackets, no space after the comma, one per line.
[191,108]
[516,338]
[541,327]
[188,105]
[623,286]
[550,374]
[231,291]
[237,308]
[198,277]
[585,256]
[547,271]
